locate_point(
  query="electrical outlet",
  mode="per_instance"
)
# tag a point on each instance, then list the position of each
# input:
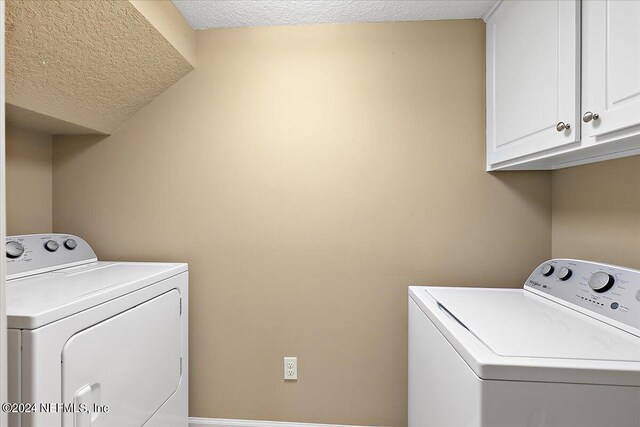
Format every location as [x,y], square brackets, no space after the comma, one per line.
[291,368]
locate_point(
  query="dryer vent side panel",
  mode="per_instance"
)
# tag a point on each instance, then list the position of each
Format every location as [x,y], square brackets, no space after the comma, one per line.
[129,363]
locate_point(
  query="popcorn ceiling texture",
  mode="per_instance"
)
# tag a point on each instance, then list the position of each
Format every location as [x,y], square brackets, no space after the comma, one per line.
[241,13]
[92,64]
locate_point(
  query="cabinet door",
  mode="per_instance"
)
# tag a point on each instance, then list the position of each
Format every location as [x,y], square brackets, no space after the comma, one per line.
[612,57]
[532,77]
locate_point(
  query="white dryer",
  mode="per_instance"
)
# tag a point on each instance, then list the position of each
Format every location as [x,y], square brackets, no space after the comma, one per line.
[94,343]
[563,351]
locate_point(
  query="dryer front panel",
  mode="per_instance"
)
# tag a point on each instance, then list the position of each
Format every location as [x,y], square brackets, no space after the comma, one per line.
[124,369]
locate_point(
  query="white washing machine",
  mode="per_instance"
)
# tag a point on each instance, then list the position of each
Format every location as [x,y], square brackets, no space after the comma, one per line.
[563,351]
[94,343]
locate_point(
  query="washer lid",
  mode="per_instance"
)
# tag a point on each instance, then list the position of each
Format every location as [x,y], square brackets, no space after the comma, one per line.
[515,334]
[35,301]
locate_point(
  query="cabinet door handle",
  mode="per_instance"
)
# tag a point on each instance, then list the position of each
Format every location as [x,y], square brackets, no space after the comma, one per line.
[588,116]
[562,126]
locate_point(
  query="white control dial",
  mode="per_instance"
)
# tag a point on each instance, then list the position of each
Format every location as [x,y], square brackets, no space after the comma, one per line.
[601,281]
[564,273]
[70,244]
[546,270]
[14,249]
[51,245]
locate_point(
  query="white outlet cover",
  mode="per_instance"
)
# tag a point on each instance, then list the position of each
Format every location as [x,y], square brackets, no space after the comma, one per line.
[290,368]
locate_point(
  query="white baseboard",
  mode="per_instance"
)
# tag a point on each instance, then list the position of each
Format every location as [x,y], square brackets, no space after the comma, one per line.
[221,422]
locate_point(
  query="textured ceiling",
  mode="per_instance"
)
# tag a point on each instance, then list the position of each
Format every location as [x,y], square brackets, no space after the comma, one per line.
[202,14]
[91,64]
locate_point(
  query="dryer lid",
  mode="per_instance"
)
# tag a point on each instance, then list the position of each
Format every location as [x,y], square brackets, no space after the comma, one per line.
[35,301]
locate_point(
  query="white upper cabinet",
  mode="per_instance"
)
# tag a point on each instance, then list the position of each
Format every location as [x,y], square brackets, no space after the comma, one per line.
[612,65]
[532,77]
[558,63]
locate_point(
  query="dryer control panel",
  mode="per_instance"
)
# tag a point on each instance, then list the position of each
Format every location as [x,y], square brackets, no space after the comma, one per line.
[38,253]
[607,292]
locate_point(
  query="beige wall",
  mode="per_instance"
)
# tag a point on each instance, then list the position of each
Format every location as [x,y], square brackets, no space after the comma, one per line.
[29,189]
[308,175]
[596,212]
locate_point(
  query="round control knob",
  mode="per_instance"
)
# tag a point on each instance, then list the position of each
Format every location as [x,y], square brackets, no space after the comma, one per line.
[564,273]
[546,270]
[51,245]
[601,281]
[14,249]
[70,244]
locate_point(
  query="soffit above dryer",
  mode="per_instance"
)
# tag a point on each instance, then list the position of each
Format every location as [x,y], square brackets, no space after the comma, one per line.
[242,13]
[88,64]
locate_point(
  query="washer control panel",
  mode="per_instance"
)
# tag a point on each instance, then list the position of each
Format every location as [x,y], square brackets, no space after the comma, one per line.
[37,253]
[606,292]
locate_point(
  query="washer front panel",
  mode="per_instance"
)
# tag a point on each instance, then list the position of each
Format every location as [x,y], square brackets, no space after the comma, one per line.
[618,305]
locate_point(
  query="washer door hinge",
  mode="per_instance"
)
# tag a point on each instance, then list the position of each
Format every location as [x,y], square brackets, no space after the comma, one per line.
[181,306]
